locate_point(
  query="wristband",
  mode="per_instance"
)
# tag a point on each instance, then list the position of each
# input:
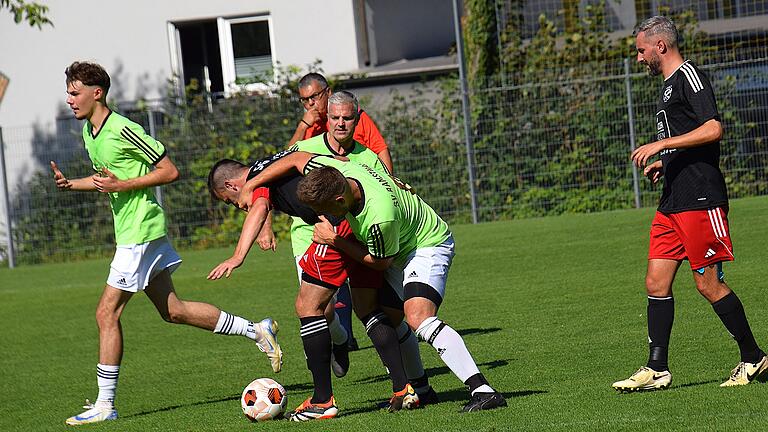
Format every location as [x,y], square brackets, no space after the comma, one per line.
[308,125]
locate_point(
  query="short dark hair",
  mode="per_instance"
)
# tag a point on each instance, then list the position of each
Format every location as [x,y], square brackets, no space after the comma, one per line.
[321,185]
[310,77]
[90,74]
[660,25]
[223,170]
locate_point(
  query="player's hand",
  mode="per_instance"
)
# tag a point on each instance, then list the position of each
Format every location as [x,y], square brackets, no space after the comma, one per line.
[324,232]
[311,116]
[107,182]
[225,268]
[641,154]
[61,182]
[654,172]
[244,199]
[267,241]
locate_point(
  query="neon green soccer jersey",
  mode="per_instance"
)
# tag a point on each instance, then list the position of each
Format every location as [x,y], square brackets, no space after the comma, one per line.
[128,152]
[301,233]
[394,221]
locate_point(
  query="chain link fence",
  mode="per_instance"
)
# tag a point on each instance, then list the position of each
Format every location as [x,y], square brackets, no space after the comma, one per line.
[550,140]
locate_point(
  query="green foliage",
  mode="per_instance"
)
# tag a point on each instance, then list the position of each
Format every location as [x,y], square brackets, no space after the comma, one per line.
[550,120]
[537,302]
[35,14]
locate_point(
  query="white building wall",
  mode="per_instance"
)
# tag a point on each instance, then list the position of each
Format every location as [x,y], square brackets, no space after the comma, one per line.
[130,40]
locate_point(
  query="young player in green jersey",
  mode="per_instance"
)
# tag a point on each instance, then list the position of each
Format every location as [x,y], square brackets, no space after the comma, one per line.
[123,156]
[402,235]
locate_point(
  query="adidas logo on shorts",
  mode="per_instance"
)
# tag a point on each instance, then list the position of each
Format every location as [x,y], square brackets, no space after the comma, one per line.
[413,275]
[122,281]
[709,253]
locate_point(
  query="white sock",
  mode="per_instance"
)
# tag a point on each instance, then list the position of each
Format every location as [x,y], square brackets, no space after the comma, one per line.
[234,325]
[106,377]
[450,346]
[338,334]
[409,351]
[485,388]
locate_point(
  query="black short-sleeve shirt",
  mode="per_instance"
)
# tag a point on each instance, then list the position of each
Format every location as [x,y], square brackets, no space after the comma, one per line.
[282,192]
[692,177]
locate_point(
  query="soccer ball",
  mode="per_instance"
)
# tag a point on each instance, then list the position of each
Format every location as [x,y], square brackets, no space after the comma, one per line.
[263,399]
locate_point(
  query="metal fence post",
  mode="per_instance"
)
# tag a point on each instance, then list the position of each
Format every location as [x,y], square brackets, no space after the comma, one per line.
[465,108]
[151,118]
[6,203]
[631,114]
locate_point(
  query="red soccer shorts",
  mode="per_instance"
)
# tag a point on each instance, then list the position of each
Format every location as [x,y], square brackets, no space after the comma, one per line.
[700,236]
[326,266]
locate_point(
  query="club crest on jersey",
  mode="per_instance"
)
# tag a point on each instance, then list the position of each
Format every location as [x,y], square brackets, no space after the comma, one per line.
[667,93]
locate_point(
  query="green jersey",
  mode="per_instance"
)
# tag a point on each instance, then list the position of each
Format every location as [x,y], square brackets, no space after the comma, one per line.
[301,233]
[393,221]
[128,152]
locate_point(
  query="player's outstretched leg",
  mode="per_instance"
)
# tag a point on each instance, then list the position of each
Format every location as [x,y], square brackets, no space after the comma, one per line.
[264,333]
[452,350]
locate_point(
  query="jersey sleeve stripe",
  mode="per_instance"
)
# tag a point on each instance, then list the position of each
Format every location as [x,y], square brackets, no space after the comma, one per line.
[695,74]
[376,241]
[692,77]
[134,139]
[312,164]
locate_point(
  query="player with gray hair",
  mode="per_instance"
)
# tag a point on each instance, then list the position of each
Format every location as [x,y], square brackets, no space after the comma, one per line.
[691,221]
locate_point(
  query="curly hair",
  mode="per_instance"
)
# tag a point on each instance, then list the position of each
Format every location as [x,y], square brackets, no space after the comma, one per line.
[88,73]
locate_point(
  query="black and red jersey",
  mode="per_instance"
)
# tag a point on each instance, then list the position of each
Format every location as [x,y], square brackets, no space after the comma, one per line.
[282,192]
[692,177]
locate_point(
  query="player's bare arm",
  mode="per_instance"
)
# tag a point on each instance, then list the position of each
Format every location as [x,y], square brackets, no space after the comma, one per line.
[709,132]
[386,159]
[253,224]
[280,168]
[266,238]
[165,172]
[63,183]
[311,116]
[325,234]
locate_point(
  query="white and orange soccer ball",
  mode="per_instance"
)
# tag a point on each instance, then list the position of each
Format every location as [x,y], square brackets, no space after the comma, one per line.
[263,399]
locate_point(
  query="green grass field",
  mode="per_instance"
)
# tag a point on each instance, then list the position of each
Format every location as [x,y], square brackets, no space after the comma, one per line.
[552,309]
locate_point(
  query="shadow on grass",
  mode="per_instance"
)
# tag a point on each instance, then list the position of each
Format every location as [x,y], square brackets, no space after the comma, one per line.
[450,396]
[187,405]
[472,331]
[434,371]
[693,384]
[290,388]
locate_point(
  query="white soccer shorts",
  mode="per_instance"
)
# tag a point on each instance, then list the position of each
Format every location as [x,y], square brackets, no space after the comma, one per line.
[135,265]
[428,265]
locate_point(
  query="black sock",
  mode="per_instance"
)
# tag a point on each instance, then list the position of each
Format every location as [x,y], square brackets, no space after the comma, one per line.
[731,313]
[317,348]
[661,314]
[384,338]
[475,381]
[421,383]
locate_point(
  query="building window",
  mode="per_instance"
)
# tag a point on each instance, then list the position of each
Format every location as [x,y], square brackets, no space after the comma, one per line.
[222,54]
